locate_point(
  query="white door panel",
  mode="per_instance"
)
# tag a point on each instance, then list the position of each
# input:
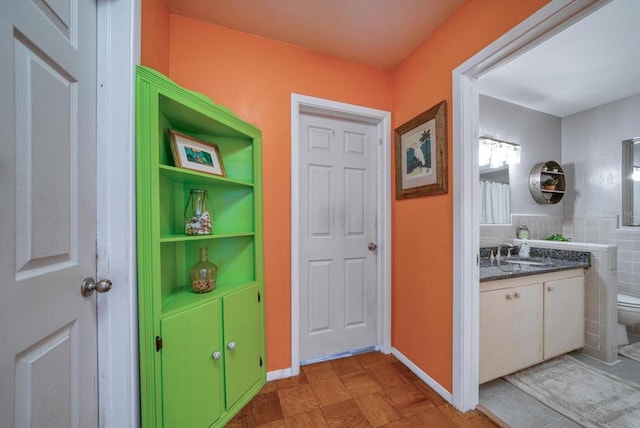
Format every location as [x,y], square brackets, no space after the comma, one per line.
[338,290]
[320,206]
[320,312]
[48,357]
[355,293]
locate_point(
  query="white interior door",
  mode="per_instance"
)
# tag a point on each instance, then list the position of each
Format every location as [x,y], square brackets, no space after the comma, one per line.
[48,356]
[338,290]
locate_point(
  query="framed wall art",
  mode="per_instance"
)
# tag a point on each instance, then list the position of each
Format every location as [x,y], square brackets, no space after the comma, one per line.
[195,154]
[421,154]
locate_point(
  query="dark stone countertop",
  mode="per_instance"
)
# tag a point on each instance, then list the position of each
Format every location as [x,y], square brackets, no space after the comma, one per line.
[551,260]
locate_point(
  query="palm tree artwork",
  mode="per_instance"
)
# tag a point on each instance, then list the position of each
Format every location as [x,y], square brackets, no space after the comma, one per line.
[419,156]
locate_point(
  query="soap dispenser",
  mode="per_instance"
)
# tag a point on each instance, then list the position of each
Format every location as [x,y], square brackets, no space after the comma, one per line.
[524,249]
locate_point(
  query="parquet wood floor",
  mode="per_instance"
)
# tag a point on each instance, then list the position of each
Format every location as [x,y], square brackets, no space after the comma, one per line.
[366,390]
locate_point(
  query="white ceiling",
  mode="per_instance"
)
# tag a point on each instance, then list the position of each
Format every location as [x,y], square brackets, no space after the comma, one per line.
[380,33]
[593,62]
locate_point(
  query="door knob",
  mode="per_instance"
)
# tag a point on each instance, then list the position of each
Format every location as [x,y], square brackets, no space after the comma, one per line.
[231,345]
[89,285]
[216,355]
[372,246]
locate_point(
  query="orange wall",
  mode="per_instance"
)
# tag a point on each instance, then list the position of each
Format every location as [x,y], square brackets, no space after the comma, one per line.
[255,77]
[422,327]
[154,51]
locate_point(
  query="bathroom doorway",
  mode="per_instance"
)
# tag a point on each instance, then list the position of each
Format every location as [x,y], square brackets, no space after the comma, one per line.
[543,25]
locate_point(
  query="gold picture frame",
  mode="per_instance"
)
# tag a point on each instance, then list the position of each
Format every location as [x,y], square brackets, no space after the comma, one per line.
[421,154]
[195,154]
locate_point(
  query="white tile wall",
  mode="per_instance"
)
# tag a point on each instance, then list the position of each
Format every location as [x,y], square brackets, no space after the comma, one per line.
[604,230]
[540,226]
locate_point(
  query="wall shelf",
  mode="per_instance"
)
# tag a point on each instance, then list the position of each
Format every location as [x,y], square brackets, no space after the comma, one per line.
[539,174]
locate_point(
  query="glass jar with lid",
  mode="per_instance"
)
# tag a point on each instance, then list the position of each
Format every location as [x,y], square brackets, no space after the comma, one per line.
[523,232]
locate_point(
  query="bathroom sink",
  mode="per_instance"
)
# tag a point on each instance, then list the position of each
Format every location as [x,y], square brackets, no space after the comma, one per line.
[524,262]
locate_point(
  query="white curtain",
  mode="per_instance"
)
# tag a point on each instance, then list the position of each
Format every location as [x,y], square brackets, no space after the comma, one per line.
[495,202]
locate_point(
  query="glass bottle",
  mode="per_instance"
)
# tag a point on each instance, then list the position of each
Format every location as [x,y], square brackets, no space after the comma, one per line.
[203,274]
[523,232]
[197,220]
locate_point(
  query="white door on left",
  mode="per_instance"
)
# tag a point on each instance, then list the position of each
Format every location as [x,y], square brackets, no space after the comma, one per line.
[48,330]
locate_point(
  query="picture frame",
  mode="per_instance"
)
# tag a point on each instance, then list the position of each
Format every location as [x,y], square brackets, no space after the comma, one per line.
[195,154]
[421,154]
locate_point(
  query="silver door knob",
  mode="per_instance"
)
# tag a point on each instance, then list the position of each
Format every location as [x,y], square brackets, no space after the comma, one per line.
[231,345]
[216,355]
[372,246]
[89,285]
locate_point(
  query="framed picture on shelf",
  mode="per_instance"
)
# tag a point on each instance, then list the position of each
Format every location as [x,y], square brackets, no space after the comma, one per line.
[195,154]
[421,154]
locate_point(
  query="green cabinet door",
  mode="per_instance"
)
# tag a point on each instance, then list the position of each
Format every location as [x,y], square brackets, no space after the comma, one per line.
[192,384]
[243,338]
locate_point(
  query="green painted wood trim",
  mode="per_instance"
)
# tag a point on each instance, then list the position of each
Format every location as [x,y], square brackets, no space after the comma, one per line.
[196,100]
[259,237]
[145,102]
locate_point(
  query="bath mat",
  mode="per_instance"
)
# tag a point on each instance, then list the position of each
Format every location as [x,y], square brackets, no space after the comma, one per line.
[631,351]
[586,395]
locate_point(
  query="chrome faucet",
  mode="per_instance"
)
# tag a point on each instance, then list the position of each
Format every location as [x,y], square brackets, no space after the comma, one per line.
[510,248]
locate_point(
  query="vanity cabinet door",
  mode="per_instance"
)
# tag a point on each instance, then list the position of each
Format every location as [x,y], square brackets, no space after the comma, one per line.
[510,330]
[563,316]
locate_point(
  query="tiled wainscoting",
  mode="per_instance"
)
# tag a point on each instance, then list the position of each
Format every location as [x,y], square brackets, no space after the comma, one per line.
[540,226]
[604,230]
[600,312]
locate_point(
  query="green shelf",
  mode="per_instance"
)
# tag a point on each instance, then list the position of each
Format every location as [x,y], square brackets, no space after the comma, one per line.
[183,298]
[185,238]
[180,175]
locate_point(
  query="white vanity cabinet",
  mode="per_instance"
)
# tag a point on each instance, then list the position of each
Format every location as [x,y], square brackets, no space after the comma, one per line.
[528,319]
[510,329]
[563,315]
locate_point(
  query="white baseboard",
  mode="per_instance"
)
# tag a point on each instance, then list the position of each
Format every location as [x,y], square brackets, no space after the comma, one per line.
[279,374]
[423,376]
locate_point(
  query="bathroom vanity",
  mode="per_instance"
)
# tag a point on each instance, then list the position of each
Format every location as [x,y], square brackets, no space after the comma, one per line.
[534,311]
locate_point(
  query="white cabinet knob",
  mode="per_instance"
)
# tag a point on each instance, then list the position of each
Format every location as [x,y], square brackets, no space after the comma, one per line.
[231,345]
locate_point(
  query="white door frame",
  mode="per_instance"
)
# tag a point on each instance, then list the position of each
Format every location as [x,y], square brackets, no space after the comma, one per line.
[548,21]
[118,54]
[382,120]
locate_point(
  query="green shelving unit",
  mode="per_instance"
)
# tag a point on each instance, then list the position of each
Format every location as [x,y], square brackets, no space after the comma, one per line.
[202,356]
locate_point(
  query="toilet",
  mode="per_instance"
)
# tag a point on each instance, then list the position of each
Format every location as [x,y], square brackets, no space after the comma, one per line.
[628,309]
